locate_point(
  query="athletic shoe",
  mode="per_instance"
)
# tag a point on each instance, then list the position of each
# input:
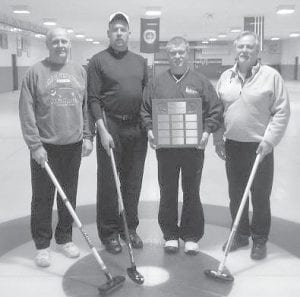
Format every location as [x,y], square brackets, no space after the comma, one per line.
[43,258]
[69,249]
[259,250]
[191,248]
[171,246]
[238,242]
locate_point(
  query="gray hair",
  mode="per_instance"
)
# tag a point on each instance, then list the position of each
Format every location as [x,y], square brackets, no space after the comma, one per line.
[177,41]
[247,33]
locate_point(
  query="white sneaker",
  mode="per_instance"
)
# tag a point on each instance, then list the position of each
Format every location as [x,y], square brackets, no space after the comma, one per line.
[69,249]
[43,258]
[171,246]
[191,248]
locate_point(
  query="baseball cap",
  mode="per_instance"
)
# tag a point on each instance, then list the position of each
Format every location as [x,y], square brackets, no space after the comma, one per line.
[119,16]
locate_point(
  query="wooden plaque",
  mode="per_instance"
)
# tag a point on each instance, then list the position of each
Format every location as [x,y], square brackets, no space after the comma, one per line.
[177,122]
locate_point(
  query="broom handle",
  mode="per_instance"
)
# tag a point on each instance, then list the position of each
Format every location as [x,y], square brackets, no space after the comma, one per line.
[240,212]
[63,196]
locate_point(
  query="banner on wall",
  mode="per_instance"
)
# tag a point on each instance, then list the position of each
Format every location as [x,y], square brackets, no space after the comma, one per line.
[256,24]
[3,41]
[149,35]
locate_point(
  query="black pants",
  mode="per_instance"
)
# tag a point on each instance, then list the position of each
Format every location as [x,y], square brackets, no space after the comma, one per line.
[190,162]
[64,161]
[130,153]
[240,158]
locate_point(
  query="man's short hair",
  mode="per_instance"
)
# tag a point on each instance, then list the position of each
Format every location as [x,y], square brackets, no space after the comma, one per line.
[52,31]
[177,41]
[118,16]
[247,33]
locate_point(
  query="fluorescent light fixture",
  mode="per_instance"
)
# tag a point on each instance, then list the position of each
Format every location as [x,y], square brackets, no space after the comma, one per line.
[49,22]
[96,42]
[204,42]
[212,39]
[285,9]
[79,35]
[89,39]
[69,30]
[275,38]
[20,9]
[16,29]
[295,34]
[235,30]
[153,11]
[39,35]
[222,35]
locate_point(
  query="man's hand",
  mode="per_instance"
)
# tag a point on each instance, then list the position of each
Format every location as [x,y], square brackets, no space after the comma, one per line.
[151,139]
[40,156]
[264,148]
[204,140]
[106,139]
[220,150]
[87,147]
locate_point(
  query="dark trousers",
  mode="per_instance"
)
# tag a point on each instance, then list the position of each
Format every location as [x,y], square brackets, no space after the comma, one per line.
[190,162]
[240,158]
[64,161]
[130,153]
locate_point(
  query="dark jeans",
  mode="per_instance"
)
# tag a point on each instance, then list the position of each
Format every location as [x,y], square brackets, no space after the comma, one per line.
[240,158]
[130,153]
[190,162]
[64,161]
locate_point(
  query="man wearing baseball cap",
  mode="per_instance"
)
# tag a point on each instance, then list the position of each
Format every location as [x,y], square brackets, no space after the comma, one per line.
[116,78]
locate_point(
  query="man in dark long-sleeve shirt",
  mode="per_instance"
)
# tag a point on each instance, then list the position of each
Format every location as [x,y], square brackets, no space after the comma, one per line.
[181,82]
[116,78]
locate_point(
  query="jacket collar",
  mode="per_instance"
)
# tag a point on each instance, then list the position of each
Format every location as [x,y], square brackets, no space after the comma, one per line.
[254,69]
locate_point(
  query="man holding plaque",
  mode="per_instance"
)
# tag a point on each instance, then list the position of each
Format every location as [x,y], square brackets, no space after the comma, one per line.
[181,82]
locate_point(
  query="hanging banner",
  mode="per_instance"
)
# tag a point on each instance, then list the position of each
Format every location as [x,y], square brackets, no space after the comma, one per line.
[256,25]
[149,35]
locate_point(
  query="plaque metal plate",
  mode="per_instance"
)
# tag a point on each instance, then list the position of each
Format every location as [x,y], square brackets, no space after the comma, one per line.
[177,122]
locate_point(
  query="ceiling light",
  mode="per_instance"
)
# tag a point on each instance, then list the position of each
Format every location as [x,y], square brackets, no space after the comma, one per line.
[49,22]
[39,36]
[235,30]
[153,11]
[212,39]
[20,9]
[96,42]
[295,34]
[222,35]
[285,9]
[204,42]
[69,30]
[89,39]
[275,38]
[16,29]
[79,35]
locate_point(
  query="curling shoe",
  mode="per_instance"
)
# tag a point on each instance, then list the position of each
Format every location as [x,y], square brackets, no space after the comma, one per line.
[69,249]
[113,245]
[135,240]
[43,258]
[259,250]
[191,248]
[171,246]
